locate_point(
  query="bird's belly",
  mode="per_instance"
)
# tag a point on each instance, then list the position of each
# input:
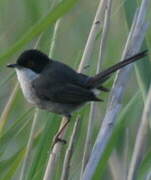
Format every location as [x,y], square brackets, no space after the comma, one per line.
[25,78]
[58,108]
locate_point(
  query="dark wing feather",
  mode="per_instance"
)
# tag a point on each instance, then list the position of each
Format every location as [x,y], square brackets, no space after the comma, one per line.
[68,94]
[64,93]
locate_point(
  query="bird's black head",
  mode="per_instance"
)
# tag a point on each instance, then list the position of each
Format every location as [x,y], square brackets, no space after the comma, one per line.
[32,59]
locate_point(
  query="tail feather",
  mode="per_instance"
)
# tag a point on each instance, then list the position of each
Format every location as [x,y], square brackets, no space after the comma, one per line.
[104,75]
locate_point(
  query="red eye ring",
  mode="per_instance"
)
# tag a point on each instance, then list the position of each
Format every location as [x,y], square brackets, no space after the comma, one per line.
[30,64]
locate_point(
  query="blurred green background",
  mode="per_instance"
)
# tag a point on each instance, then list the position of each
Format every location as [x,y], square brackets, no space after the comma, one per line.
[16,18]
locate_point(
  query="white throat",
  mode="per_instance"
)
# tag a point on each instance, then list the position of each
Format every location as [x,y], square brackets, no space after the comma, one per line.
[25,74]
[25,77]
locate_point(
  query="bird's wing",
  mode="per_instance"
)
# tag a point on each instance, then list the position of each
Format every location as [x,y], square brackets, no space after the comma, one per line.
[62,93]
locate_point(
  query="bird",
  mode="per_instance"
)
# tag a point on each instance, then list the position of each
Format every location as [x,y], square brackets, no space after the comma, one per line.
[54,86]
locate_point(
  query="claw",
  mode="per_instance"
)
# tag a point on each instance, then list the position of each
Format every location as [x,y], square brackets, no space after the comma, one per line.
[57,139]
[103,89]
[62,140]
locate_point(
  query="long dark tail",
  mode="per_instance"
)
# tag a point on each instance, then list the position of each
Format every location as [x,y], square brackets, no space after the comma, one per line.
[96,80]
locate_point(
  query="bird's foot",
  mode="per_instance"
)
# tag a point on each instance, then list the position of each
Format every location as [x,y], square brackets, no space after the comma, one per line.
[57,136]
[57,139]
[63,141]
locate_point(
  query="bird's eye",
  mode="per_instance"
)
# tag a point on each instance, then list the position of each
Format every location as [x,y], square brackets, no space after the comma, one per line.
[30,64]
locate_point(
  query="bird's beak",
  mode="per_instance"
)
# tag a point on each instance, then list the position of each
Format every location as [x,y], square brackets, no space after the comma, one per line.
[12,65]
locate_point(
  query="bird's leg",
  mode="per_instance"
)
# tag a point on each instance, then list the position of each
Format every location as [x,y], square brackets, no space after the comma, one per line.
[57,138]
